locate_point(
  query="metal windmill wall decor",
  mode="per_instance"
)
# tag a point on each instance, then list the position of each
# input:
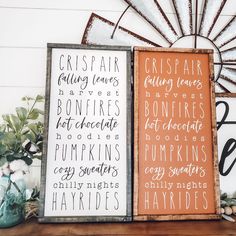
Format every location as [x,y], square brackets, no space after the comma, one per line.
[197,25]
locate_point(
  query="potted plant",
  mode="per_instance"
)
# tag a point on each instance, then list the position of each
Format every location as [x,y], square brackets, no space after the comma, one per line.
[21,137]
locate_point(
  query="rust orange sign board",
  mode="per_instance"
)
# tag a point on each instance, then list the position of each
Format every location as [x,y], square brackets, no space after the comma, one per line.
[175,136]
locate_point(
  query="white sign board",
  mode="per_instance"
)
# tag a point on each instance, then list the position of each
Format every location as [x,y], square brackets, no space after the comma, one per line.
[87,170]
[226,132]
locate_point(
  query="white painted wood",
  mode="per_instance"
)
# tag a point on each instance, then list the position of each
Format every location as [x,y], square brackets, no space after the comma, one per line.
[32,178]
[35,28]
[23,67]
[104,5]
[72,5]
[225,133]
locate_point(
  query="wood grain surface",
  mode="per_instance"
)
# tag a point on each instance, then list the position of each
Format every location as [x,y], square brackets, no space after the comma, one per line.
[135,228]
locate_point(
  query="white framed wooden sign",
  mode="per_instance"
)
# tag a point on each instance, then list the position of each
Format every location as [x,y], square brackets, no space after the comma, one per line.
[86,170]
[226,125]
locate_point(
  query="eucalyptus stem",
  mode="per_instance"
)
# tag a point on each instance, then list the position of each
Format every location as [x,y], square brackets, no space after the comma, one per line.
[27,117]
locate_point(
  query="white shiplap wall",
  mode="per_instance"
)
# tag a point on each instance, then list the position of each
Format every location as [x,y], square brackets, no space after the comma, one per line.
[26,26]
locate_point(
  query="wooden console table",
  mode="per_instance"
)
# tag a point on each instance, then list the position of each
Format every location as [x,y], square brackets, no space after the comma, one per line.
[135,228]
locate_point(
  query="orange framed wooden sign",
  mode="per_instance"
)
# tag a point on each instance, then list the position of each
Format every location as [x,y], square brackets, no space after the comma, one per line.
[175,166]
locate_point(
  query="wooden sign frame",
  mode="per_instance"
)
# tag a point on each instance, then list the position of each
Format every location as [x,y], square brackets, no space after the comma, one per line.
[216,194]
[226,143]
[114,67]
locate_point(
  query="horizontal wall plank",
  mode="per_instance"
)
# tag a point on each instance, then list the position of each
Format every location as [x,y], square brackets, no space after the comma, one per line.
[32,178]
[104,5]
[23,67]
[34,28]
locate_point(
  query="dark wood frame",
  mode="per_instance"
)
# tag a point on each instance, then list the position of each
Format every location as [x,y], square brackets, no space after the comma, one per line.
[136,215]
[109,218]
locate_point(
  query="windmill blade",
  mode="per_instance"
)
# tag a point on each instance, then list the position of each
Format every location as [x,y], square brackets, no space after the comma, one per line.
[184,14]
[220,88]
[229,75]
[99,31]
[229,55]
[152,12]
[227,34]
[226,85]
[227,80]
[211,12]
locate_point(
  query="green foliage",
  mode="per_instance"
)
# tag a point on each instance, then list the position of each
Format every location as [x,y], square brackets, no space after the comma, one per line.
[21,133]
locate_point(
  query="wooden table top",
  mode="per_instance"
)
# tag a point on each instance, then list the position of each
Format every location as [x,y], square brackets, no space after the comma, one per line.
[33,228]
